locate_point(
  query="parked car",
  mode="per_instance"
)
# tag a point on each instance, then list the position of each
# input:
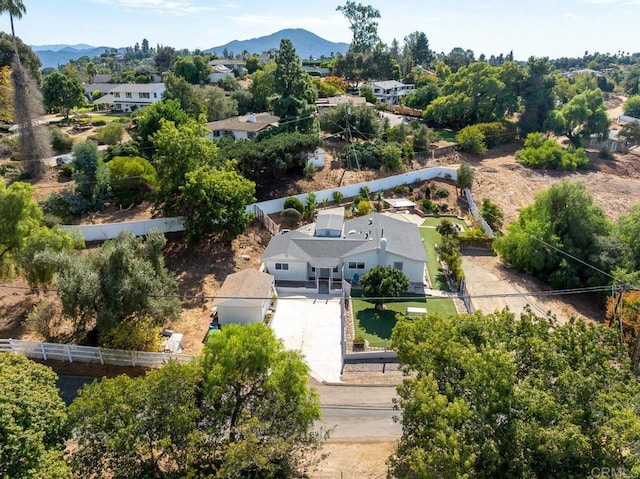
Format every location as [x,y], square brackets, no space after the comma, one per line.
[63,160]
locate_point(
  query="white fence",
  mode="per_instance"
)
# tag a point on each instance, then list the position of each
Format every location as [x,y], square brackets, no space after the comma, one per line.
[87,354]
[476,213]
[107,231]
[277,205]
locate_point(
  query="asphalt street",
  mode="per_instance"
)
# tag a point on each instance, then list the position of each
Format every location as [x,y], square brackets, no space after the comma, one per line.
[352,411]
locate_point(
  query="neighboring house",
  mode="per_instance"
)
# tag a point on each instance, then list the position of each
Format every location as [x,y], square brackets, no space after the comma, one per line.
[320,72]
[241,127]
[129,97]
[103,88]
[333,250]
[236,66]
[390,91]
[220,72]
[244,297]
[325,104]
[612,143]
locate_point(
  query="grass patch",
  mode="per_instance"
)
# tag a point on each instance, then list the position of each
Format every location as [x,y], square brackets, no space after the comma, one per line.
[376,326]
[430,237]
[446,135]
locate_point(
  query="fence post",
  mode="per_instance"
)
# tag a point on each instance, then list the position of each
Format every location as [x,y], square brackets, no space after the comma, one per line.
[133,361]
[100,355]
[69,353]
[11,346]
[44,352]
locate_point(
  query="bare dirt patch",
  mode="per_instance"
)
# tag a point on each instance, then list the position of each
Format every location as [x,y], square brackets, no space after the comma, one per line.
[354,459]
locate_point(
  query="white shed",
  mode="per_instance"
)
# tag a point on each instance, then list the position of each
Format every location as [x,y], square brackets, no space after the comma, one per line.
[317,158]
[244,297]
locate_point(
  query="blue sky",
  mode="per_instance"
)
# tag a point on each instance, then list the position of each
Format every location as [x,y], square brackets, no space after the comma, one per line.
[551,28]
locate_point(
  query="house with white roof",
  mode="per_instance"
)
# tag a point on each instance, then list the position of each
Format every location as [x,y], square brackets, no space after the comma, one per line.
[244,297]
[333,250]
[390,91]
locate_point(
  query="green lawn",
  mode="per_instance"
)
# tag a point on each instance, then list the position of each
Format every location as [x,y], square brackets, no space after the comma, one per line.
[446,135]
[376,326]
[430,237]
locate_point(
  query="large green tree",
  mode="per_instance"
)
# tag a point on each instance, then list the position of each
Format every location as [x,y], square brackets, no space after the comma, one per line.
[90,174]
[479,93]
[500,396]
[363,25]
[33,421]
[190,97]
[584,115]
[125,280]
[216,200]
[195,69]
[631,106]
[536,92]
[149,122]
[219,105]
[416,50]
[294,89]
[27,56]
[244,410]
[62,93]
[383,282]
[562,218]
[179,150]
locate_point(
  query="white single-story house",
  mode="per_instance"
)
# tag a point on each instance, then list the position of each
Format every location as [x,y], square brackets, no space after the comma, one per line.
[325,104]
[129,97]
[333,250]
[390,91]
[613,142]
[244,297]
[241,127]
[220,72]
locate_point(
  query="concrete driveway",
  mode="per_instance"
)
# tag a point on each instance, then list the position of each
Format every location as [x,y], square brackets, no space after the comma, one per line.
[310,323]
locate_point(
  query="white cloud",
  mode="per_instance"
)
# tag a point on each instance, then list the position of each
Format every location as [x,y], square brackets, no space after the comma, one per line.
[170,7]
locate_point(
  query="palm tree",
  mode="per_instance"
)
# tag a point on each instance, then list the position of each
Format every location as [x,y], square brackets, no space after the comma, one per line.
[15,8]
[92,71]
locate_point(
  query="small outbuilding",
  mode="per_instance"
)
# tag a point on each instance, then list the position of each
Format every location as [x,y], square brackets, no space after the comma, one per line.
[244,297]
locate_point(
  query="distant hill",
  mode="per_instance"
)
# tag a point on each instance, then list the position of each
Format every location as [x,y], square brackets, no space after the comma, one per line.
[307,44]
[60,54]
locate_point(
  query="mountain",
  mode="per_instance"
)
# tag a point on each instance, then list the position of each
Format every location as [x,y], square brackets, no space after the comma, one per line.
[60,54]
[307,44]
[56,48]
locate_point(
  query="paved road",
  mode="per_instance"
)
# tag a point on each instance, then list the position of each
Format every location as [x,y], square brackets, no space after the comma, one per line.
[353,411]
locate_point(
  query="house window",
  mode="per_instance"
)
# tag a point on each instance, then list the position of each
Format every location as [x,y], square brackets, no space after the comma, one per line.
[282,266]
[116,94]
[354,265]
[398,265]
[128,94]
[313,269]
[335,270]
[143,95]
[155,95]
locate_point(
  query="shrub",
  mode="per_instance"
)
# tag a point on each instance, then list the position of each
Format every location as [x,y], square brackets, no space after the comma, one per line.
[45,319]
[10,171]
[400,189]
[497,132]
[541,153]
[390,156]
[67,170]
[128,148]
[337,196]
[132,179]
[472,140]
[491,214]
[98,122]
[309,170]
[441,193]
[427,205]
[364,208]
[291,217]
[295,203]
[60,141]
[310,207]
[110,134]
[447,228]
[135,334]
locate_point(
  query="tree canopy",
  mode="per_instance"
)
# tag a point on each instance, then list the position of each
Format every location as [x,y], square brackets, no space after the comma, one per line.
[631,106]
[244,410]
[363,24]
[384,282]
[62,93]
[500,396]
[33,421]
[562,218]
[584,115]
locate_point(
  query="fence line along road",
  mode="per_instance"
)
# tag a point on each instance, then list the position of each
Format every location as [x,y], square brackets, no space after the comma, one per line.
[88,354]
